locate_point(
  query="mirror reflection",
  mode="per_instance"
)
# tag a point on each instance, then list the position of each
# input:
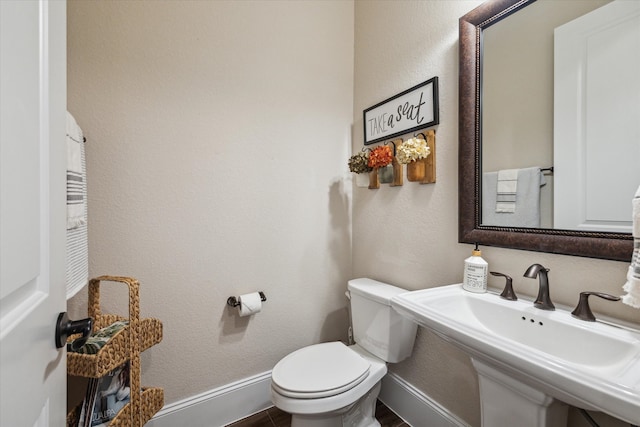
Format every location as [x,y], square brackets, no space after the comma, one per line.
[537,170]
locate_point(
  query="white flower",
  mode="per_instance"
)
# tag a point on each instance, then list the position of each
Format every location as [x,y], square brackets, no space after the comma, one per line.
[412,150]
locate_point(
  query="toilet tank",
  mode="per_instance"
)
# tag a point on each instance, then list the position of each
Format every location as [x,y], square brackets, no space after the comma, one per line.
[377,327]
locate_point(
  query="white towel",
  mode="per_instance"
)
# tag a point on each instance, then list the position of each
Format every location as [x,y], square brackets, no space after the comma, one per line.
[77,274]
[75,177]
[527,206]
[506,190]
[632,286]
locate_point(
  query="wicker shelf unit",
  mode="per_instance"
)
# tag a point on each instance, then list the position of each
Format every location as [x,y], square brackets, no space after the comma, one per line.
[126,345]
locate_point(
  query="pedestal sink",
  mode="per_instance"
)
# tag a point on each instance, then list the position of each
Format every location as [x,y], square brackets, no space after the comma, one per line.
[531,362]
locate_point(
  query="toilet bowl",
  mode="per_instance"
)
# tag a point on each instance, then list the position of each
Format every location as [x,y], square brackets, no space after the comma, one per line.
[340,377]
[334,385]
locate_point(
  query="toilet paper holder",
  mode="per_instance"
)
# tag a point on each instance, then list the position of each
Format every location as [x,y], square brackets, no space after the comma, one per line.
[233,301]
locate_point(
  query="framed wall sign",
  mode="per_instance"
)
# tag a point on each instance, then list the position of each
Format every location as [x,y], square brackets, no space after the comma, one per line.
[413,109]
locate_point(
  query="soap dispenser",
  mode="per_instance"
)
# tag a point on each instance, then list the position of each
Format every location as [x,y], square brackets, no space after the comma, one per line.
[475,272]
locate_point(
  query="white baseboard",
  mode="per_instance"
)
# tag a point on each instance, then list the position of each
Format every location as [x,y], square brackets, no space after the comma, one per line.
[218,407]
[415,407]
[238,400]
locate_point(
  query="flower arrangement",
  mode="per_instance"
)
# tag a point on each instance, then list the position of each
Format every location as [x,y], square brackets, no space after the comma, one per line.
[380,156]
[412,150]
[359,163]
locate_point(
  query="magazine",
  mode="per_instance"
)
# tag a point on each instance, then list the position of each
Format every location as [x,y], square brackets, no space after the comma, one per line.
[106,396]
[85,415]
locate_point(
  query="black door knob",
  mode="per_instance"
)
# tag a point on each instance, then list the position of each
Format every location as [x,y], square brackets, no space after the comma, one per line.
[66,327]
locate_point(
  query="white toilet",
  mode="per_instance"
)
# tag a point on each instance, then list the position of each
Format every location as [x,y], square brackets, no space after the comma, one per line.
[332,385]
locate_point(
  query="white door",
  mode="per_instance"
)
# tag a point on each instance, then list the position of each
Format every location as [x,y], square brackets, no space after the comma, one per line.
[32,211]
[596,111]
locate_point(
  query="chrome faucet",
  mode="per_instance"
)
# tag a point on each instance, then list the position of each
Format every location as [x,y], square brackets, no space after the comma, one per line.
[543,301]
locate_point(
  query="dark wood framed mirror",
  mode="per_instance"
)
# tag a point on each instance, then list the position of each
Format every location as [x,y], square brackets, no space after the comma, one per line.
[603,245]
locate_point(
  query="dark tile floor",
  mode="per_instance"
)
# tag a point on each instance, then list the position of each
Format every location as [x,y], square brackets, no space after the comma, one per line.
[274,417]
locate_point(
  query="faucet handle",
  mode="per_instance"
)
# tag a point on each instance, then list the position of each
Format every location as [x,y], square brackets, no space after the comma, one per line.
[507,292]
[583,311]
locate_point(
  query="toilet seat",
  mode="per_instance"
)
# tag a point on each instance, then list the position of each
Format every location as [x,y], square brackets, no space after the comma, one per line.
[320,370]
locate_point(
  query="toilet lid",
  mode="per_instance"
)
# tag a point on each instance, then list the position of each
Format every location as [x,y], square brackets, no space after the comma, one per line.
[319,370]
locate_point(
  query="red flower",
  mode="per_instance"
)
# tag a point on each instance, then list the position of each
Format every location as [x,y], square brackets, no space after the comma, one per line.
[380,156]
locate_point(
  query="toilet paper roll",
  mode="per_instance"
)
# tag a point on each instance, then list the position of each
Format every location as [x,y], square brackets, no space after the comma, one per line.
[249,304]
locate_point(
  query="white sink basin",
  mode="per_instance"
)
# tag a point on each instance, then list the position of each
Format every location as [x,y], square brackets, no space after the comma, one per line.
[592,365]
